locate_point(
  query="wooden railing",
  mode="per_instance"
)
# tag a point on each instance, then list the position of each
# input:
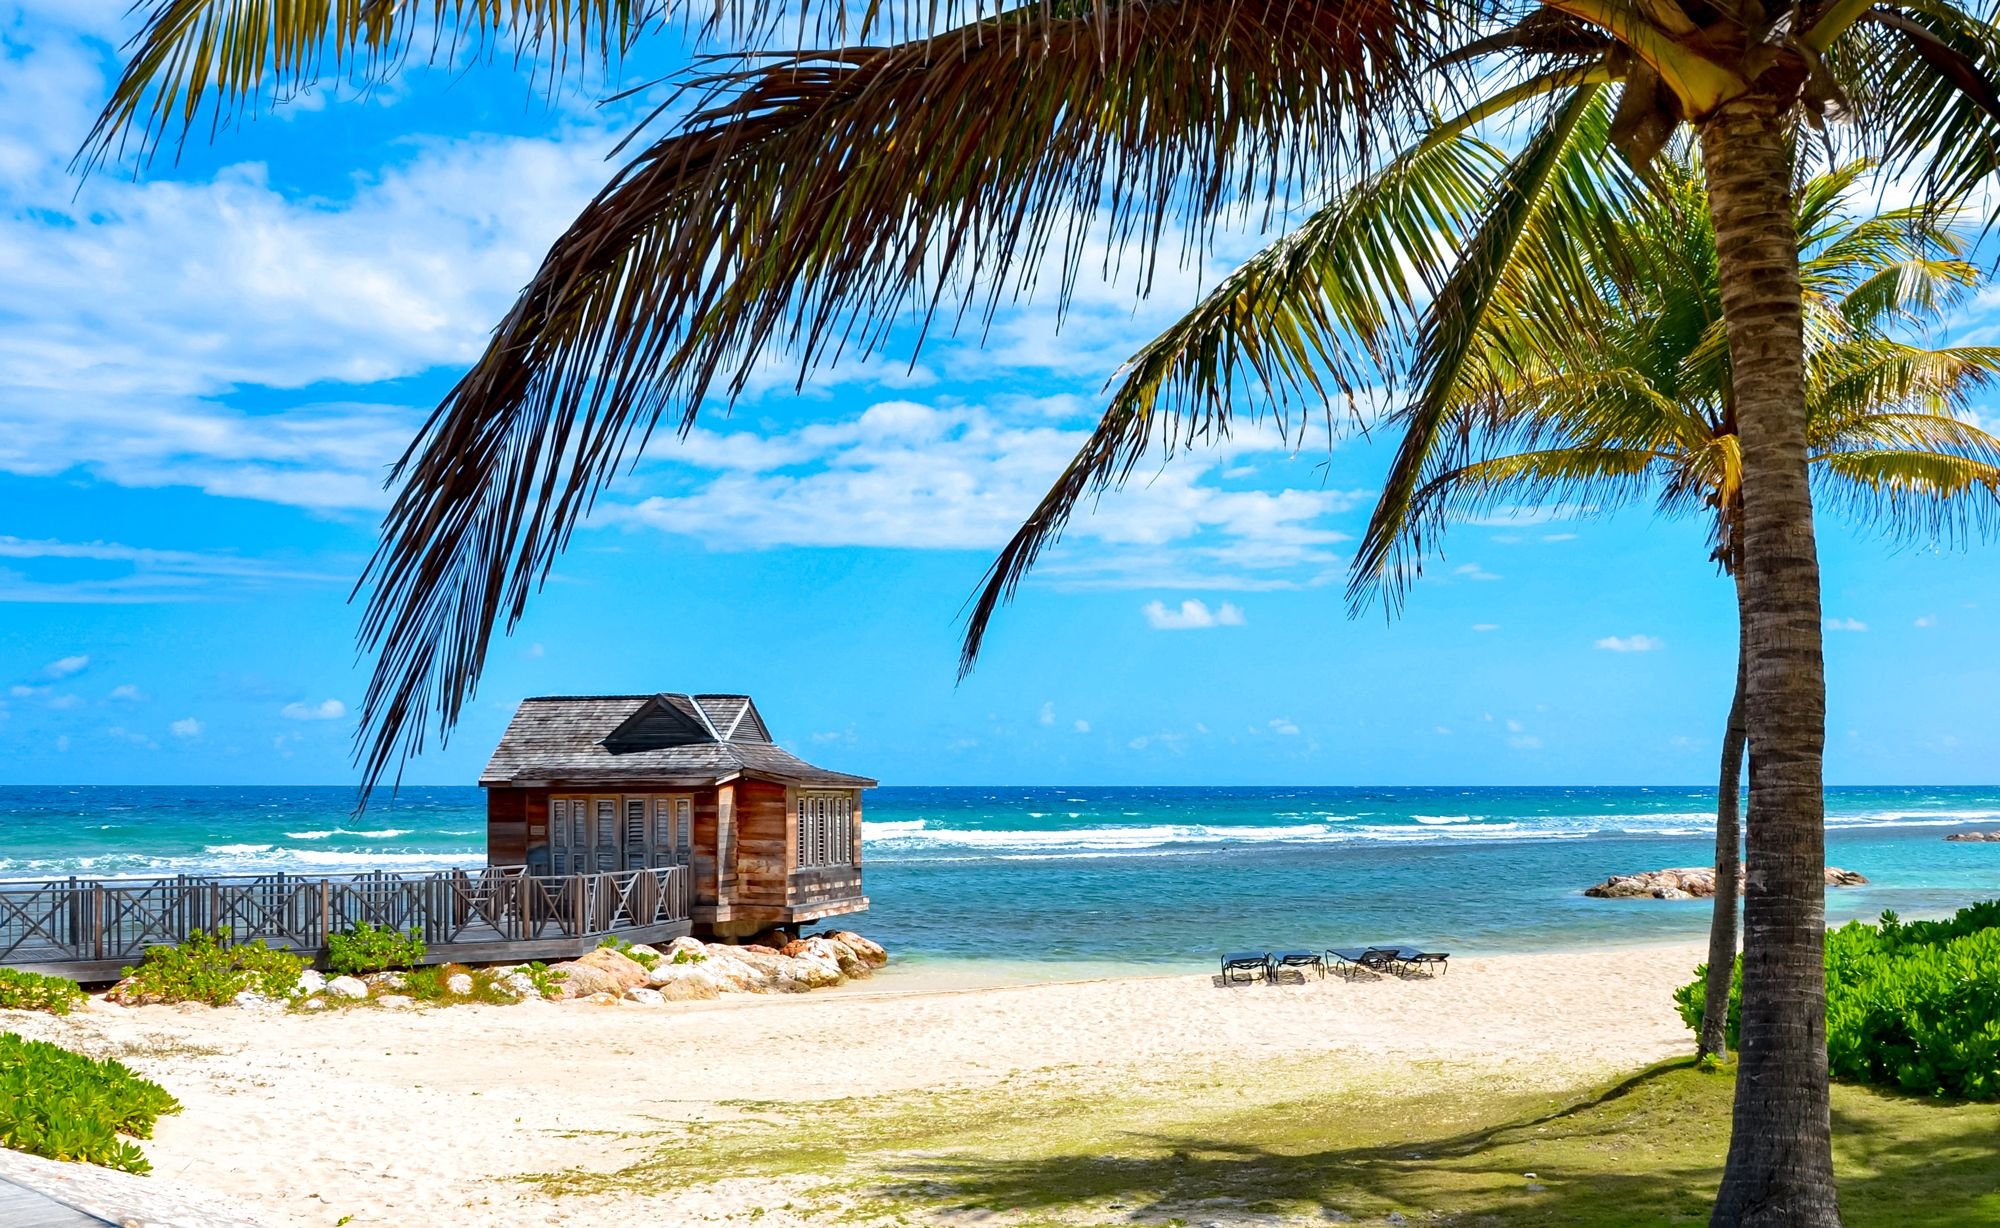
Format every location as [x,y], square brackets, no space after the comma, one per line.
[79,921]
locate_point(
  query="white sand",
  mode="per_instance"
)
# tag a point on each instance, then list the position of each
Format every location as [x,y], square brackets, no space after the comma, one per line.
[405,1117]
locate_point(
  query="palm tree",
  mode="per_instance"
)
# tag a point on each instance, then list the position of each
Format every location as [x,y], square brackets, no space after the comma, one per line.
[1643,404]
[934,156]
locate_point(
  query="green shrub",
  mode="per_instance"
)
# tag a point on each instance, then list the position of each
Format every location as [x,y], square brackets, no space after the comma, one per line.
[31,991]
[206,968]
[66,1106]
[648,960]
[685,956]
[546,980]
[1914,1006]
[368,949]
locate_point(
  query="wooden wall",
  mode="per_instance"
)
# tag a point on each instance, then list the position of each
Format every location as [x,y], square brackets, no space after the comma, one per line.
[763,832]
[507,824]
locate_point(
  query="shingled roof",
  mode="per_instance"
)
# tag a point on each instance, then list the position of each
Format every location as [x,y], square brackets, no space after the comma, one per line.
[667,738]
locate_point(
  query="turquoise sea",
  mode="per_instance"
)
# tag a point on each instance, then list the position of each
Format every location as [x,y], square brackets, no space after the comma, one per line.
[1161,877]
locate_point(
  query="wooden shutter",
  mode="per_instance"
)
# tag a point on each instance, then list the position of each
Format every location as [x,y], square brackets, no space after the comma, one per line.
[635,833]
[665,850]
[607,834]
[684,828]
[559,835]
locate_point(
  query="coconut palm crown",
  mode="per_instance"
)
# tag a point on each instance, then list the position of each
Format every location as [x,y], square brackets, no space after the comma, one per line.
[928,158]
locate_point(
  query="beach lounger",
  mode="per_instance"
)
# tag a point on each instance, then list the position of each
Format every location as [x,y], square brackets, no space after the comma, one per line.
[1301,960]
[1430,962]
[1246,966]
[1350,960]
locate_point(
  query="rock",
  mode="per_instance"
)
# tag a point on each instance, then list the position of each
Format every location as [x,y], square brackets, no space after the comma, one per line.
[1975,837]
[102,1006]
[347,987]
[846,958]
[396,1001]
[520,984]
[773,938]
[577,979]
[639,952]
[872,952]
[125,993]
[387,980]
[736,974]
[685,982]
[1689,882]
[692,946]
[601,999]
[458,984]
[311,981]
[645,997]
[251,1000]
[313,1004]
[628,972]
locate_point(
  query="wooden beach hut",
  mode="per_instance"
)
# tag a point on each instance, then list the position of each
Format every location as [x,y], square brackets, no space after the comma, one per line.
[595,783]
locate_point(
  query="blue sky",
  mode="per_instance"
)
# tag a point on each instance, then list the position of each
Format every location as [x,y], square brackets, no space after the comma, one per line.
[204,373]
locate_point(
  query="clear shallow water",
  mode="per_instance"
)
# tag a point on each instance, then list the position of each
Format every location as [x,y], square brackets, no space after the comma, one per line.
[1160,877]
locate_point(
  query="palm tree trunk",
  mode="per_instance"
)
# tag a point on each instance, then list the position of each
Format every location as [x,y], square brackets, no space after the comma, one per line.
[1728,866]
[1780,1166]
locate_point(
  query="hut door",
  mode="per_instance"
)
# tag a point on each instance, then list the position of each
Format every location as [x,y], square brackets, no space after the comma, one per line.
[673,830]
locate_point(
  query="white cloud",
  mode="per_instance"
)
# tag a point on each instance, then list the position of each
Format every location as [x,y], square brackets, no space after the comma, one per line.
[1473,571]
[325,710]
[63,703]
[1524,741]
[1558,537]
[142,574]
[1048,713]
[67,667]
[1845,624]
[1631,643]
[1927,620]
[1486,626]
[186,727]
[1279,725]
[1192,615]
[911,475]
[127,694]
[1082,726]
[62,742]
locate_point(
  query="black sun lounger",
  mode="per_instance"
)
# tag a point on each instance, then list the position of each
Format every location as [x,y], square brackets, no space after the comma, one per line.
[1350,960]
[1430,962]
[1245,966]
[1301,960]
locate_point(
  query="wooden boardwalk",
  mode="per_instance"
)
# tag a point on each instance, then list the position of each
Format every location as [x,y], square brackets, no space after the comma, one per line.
[89,929]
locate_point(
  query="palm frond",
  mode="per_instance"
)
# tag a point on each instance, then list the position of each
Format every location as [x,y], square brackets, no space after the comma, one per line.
[229,58]
[1912,495]
[811,202]
[1551,183]
[1312,308]
[1578,479]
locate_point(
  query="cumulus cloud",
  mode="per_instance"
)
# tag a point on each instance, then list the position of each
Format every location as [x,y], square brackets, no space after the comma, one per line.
[923,476]
[1192,615]
[1631,643]
[325,710]
[127,693]
[66,667]
[1845,624]
[1927,620]
[186,727]
[1486,626]
[1082,726]
[1048,713]
[1472,571]
[1284,728]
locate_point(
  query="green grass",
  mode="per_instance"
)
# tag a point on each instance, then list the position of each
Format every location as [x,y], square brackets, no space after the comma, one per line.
[1041,1150]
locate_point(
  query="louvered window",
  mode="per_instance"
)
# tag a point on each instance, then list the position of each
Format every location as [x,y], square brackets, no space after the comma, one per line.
[825,831]
[635,833]
[559,835]
[607,834]
[725,832]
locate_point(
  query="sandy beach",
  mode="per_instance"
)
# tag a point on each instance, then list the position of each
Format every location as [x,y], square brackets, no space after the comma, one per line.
[430,1116]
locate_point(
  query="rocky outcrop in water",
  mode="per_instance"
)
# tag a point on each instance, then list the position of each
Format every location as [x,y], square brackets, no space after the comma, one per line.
[1975,837]
[1689,883]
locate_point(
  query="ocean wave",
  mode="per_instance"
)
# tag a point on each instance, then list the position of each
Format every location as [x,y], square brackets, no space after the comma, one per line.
[386,833]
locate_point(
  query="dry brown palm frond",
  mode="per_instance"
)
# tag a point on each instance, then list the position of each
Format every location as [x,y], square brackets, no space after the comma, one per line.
[811,202]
